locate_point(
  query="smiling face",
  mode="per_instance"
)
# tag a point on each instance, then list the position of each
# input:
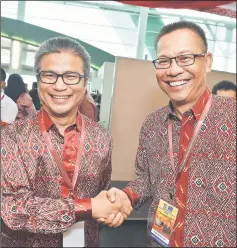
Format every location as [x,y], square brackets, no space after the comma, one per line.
[183,85]
[59,99]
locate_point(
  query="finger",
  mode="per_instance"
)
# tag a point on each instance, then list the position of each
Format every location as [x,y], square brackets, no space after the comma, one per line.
[116,220]
[110,219]
[120,222]
[125,216]
[126,209]
[111,195]
[100,220]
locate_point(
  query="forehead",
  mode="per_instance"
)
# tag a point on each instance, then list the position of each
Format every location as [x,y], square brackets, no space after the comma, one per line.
[227,93]
[63,61]
[179,41]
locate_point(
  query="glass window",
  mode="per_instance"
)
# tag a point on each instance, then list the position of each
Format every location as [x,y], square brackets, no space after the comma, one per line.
[5,56]
[231,65]
[224,49]
[209,30]
[234,35]
[9,9]
[29,59]
[210,44]
[221,33]
[116,31]
[219,63]
[5,42]
[30,47]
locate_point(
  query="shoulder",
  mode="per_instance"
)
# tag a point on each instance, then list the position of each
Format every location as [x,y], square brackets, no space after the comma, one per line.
[156,118]
[224,106]
[22,127]
[95,129]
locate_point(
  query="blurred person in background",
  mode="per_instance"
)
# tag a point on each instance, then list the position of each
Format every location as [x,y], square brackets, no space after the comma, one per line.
[9,108]
[97,99]
[26,86]
[88,107]
[225,88]
[16,90]
[35,96]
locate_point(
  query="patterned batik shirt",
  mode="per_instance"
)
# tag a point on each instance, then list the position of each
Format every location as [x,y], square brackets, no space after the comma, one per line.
[210,211]
[35,206]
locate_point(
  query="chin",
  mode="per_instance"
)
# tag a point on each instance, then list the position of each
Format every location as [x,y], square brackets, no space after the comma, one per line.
[179,100]
[60,113]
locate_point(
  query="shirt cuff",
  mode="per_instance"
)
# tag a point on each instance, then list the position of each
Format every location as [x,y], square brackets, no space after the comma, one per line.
[83,210]
[132,195]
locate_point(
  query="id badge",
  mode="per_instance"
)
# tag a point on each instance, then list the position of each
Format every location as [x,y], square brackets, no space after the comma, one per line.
[164,222]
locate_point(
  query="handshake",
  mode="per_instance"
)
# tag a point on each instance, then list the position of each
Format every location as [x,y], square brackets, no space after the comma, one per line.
[111,207]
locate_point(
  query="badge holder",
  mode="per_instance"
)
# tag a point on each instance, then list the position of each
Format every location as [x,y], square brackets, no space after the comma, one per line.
[164,222]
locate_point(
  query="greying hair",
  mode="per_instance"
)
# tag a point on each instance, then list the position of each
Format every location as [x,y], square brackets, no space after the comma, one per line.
[60,44]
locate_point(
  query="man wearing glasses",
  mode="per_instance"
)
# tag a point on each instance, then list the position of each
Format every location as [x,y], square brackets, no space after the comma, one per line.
[186,159]
[56,164]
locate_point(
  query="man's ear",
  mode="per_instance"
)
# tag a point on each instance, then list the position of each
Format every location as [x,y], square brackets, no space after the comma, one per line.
[85,82]
[208,62]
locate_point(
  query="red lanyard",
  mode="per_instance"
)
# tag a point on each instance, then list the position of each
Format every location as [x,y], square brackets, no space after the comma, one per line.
[53,152]
[190,146]
[2,96]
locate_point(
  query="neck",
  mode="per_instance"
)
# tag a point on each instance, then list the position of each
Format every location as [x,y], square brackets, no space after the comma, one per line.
[63,122]
[181,108]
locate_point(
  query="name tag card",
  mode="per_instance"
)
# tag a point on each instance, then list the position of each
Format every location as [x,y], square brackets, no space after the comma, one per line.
[163,225]
[74,236]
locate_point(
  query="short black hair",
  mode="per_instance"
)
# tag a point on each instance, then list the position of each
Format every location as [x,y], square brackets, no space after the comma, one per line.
[3,75]
[224,85]
[15,86]
[182,25]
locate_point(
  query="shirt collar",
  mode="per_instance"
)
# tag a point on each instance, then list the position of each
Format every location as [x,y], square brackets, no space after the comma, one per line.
[48,123]
[197,108]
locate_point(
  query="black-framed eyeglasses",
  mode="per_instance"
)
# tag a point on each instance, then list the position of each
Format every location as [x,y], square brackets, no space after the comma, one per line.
[181,60]
[69,78]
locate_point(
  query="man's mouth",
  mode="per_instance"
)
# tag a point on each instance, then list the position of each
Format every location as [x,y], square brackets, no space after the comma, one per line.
[178,83]
[59,97]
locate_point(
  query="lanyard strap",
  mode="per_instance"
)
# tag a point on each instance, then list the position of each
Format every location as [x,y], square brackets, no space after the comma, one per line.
[190,146]
[53,152]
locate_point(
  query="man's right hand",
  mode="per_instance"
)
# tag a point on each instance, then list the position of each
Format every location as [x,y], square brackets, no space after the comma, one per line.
[115,220]
[102,207]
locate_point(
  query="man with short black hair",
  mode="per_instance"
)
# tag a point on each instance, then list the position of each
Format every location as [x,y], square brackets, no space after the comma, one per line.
[186,158]
[9,108]
[225,88]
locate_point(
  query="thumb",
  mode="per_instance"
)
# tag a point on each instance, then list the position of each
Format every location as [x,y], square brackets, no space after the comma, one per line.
[111,195]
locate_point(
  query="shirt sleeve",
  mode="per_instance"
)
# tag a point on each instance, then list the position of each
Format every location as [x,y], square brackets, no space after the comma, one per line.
[139,190]
[21,209]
